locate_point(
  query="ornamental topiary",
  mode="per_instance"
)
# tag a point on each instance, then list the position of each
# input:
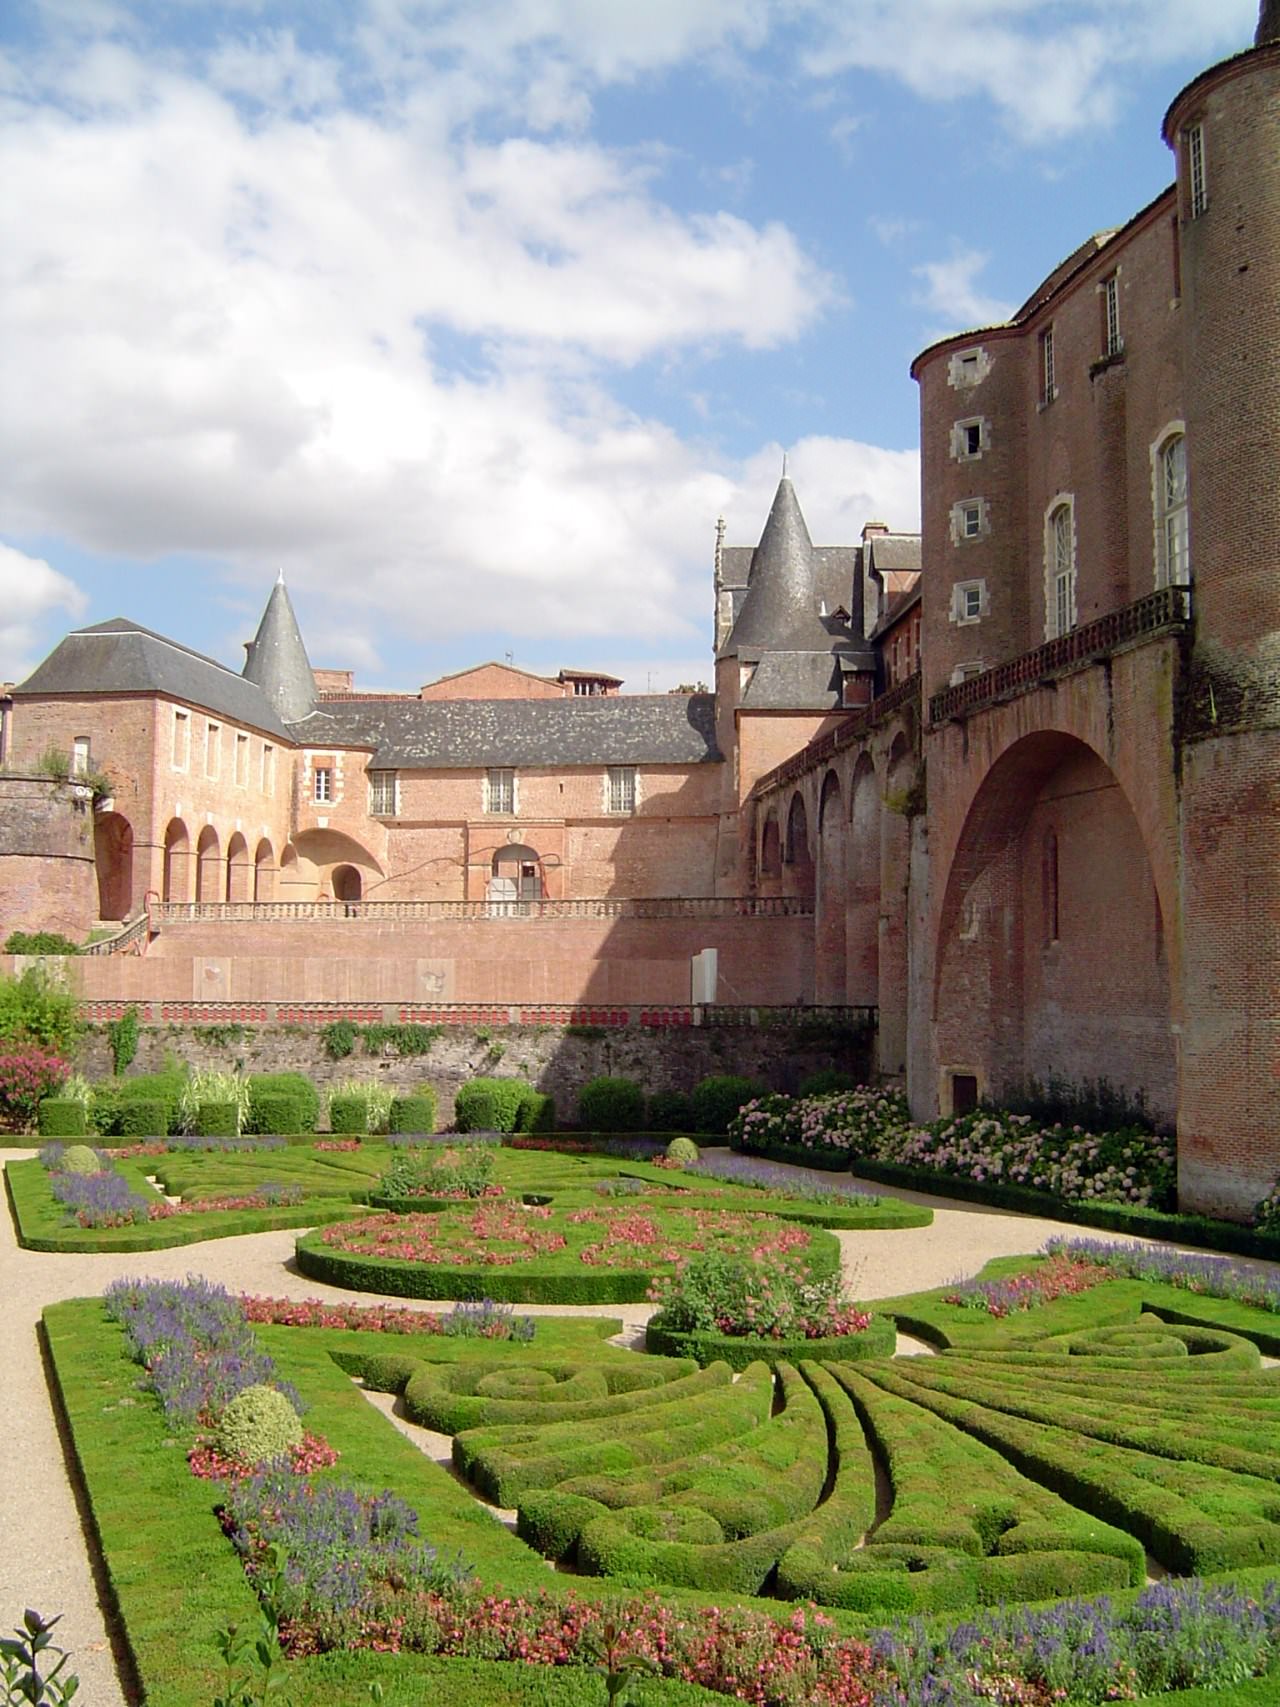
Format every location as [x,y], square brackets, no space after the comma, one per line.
[611,1105]
[489,1105]
[717,1099]
[537,1112]
[670,1111]
[682,1150]
[80,1159]
[258,1424]
[297,1087]
[414,1113]
[62,1117]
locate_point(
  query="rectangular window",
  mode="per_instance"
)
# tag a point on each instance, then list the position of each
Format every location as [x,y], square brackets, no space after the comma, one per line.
[212,749]
[1060,551]
[500,792]
[242,760]
[1048,382]
[967,602]
[972,438]
[80,756]
[971,520]
[622,788]
[181,740]
[383,794]
[1197,186]
[268,768]
[1112,341]
[322,776]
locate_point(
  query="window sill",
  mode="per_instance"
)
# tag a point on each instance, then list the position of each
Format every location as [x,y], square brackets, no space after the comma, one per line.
[1105,363]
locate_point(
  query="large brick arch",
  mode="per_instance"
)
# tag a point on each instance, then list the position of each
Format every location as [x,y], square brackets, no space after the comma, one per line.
[895,872]
[797,870]
[177,870]
[862,914]
[830,899]
[1051,953]
[113,856]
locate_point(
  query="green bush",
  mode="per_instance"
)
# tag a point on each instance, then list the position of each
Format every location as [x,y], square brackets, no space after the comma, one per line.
[165,1087]
[682,1150]
[62,1117]
[414,1113]
[217,1120]
[34,1009]
[257,1425]
[489,1105]
[826,1082]
[611,1105]
[274,1114]
[295,1086]
[80,1159]
[349,1113]
[122,1036]
[39,942]
[144,1117]
[670,1111]
[537,1112]
[717,1099]
[339,1039]
[709,1348]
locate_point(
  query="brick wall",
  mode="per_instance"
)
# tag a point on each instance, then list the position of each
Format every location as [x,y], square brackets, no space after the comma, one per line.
[46,858]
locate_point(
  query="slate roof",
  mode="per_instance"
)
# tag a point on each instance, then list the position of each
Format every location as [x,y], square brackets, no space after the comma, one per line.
[277,659]
[780,611]
[464,734]
[121,657]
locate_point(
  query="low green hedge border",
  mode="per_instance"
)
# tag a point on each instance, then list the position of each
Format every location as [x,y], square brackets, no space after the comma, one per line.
[1201,1231]
[539,1281]
[878,1340]
[41,1225]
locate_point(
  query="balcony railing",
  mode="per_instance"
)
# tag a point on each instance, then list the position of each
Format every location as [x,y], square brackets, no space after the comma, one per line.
[1166,611]
[132,936]
[309,912]
[857,725]
[650,1015]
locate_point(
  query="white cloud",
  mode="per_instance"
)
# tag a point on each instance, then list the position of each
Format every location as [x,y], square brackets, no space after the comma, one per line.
[1051,72]
[951,290]
[31,590]
[840,484]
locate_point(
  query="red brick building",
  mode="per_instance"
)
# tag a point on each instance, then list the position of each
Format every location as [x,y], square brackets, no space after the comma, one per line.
[1014,784]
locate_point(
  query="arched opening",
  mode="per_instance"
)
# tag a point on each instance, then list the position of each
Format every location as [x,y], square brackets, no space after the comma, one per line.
[239,871]
[294,885]
[209,876]
[516,874]
[263,872]
[319,855]
[895,871]
[770,869]
[113,860]
[176,878]
[797,873]
[862,920]
[829,909]
[1027,930]
[347,885]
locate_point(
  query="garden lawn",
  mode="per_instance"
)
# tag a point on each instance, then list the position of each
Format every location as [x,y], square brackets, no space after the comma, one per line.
[44,1224]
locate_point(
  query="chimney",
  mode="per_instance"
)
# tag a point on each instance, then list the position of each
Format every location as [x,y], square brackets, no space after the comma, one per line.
[870,528]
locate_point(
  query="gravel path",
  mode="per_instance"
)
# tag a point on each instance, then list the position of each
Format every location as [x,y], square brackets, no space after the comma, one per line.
[44,1558]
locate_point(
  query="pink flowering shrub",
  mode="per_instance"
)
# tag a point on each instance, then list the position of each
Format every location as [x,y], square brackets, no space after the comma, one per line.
[28,1074]
[1060,1277]
[860,1122]
[309,1454]
[777,1300]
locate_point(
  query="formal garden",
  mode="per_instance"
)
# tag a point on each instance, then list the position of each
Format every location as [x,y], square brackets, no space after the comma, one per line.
[422,1479]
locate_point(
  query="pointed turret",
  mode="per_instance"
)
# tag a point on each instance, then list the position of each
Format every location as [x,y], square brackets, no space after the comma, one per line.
[277,660]
[1268,23]
[780,612]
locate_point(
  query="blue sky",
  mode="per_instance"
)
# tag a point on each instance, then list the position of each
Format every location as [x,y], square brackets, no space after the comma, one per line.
[473,315]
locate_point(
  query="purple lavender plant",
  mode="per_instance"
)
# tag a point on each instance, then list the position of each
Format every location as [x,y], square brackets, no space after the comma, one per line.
[99,1200]
[1210,1276]
[775,1177]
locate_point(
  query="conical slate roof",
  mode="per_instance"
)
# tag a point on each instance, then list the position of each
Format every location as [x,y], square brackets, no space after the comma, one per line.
[278,661]
[780,610]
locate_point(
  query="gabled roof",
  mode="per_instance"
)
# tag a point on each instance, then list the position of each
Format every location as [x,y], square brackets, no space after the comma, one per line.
[465,734]
[122,657]
[277,659]
[512,670]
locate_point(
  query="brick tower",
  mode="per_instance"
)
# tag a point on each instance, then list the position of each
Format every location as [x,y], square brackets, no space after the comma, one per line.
[1224,129]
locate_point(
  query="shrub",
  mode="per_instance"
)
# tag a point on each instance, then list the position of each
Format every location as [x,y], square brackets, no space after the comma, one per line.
[611,1105]
[742,1297]
[217,1120]
[34,1009]
[259,1424]
[683,1150]
[827,1082]
[39,942]
[1095,1104]
[207,1086]
[297,1087]
[537,1112]
[1266,1215]
[413,1113]
[669,1111]
[339,1039]
[717,1100]
[122,1037]
[165,1087]
[144,1117]
[348,1112]
[273,1112]
[465,1170]
[28,1074]
[80,1159]
[62,1117]
[489,1105]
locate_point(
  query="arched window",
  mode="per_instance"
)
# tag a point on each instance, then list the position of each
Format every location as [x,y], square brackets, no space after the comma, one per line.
[1060,570]
[1173,538]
